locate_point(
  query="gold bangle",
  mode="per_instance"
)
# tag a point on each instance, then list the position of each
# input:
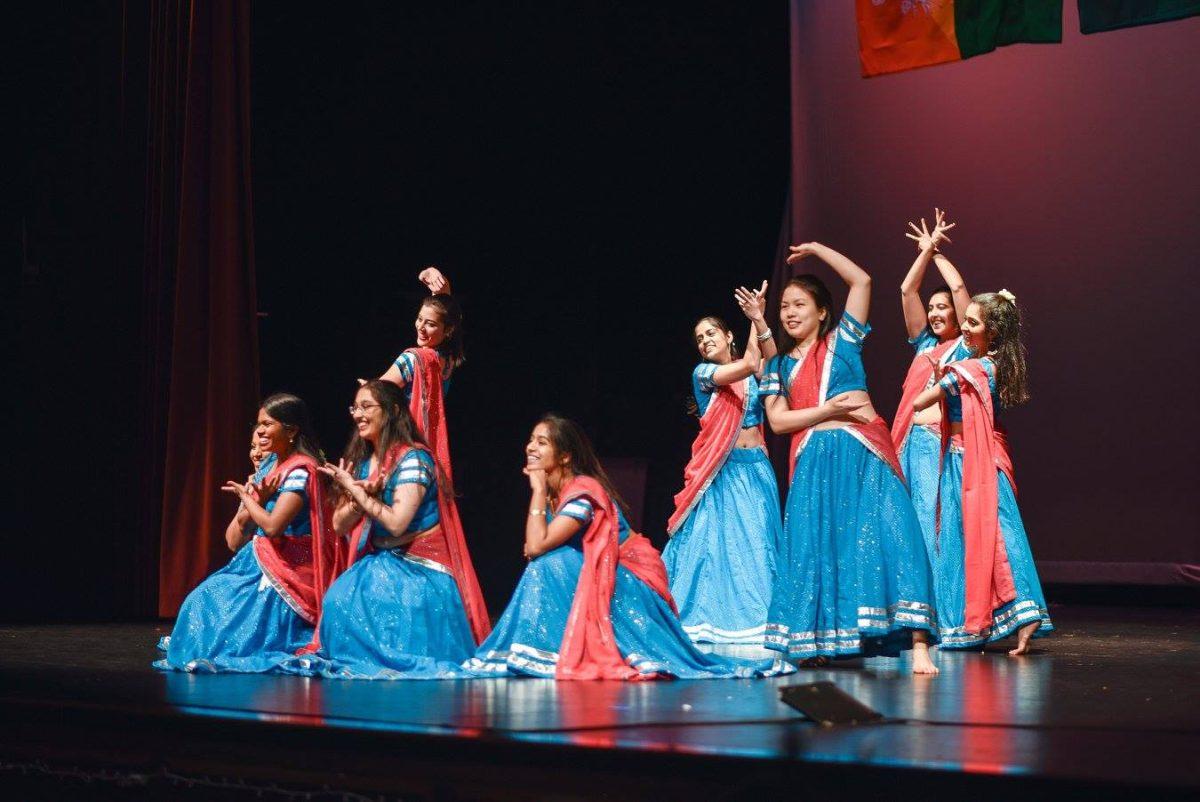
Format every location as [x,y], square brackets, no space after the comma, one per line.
[537,512]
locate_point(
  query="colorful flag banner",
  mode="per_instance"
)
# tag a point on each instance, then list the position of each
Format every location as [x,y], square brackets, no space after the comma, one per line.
[895,35]
[1109,15]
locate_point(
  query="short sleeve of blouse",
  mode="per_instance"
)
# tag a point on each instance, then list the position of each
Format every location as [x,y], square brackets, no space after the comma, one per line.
[923,341]
[295,481]
[416,468]
[406,363]
[702,377]
[580,509]
[771,382]
[949,383]
[851,331]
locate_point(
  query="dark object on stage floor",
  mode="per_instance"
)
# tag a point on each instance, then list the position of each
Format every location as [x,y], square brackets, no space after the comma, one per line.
[827,704]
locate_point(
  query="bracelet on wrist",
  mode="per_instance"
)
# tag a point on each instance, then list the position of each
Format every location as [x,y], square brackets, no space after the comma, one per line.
[537,512]
[766,335]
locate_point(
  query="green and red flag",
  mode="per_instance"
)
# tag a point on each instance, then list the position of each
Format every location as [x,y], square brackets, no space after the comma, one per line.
[1109,15]
[895,35]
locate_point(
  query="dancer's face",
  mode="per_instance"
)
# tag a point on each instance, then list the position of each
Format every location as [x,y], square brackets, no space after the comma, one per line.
[431,331]
[256,454]
[799,313]
[273,437]
[712,343]
[943,322]
[540,453]
[975,335]
[367,414]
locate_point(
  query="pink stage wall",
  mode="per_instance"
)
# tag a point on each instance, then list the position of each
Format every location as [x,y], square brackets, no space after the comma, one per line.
[1073,172]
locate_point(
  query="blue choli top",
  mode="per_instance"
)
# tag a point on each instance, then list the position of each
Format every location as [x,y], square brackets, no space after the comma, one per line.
[950,384]
[294,482]
[924,341]
[581,510]
[846,372]
[417,467]
[703,387]
[406,363]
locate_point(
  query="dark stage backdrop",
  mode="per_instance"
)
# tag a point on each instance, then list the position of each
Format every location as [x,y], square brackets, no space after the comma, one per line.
[1072,173]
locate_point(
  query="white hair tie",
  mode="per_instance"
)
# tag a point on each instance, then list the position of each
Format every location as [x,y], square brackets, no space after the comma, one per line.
[1008,296]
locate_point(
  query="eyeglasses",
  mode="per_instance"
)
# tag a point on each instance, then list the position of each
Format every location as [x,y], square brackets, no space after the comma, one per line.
[361,408]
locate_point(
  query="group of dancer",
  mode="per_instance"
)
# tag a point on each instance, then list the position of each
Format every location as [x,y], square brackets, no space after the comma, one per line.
[888,540]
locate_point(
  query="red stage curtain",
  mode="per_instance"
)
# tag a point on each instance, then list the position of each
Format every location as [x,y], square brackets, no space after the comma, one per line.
[200,315]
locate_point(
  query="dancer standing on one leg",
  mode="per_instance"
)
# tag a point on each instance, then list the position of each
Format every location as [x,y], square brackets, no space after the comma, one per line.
[853,574]
[995,591]
[254,613]
[726,524]
[397,612]
[593,602]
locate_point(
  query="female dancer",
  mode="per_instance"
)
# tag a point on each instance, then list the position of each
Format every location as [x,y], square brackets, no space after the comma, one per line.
[593,602]
[255,612]
[933,331]
[397,612]
[721,557]
[994,586]
[853,575]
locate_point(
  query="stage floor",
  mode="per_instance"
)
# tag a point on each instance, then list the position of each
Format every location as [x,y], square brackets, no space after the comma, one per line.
[1111,701]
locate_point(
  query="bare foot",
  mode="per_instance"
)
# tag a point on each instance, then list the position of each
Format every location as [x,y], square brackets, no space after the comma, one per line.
[820,661]
[1024,634]
[922,663]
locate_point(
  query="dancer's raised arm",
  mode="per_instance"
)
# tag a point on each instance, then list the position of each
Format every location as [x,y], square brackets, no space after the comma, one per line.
[858,302]
[754,306]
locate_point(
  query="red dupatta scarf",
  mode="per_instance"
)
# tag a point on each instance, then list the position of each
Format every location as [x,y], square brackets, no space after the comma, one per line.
[919,373]
[719,427]
[808,386]
[989,580]
[427,405]
[589,645]
[301,569]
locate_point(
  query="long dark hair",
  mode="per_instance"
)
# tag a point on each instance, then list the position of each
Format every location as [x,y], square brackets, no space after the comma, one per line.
[1002,320]
[452,321]
[819,292]
[398,425]
[689,402]
[570,440]
[292,412]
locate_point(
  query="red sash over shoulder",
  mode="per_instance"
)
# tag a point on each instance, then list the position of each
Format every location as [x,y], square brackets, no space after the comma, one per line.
[808,386]
[919,374]
[302,568]
[719,427]
[989,581]
[427,406]
[589,646]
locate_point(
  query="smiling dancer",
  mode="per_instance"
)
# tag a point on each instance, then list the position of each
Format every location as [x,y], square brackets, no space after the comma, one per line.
[593,602]
[721,556]
[853,574]
[254,613]
[993,584]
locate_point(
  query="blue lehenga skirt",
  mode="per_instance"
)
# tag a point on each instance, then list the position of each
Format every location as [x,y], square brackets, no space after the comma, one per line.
[527,638]
[948,567]
[853,575]
[721,561]
[234,621]
[921,460]
[390,617]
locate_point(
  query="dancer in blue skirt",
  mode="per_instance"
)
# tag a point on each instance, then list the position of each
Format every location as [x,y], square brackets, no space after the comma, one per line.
[593,602]
[726,524]
[852,571]
[254,613]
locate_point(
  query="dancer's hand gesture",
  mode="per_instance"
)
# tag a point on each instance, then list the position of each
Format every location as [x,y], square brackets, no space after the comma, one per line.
[926,239]
[268,487]
[537,478]
[752,302]
[843,406]
[432,278]
[340,473]
[802,251]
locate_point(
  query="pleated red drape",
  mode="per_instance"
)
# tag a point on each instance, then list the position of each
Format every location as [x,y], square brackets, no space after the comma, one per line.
[199,289]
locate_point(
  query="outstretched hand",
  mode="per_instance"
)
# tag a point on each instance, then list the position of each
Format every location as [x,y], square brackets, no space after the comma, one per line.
[931,240]
[753,303]
[340,473]
[802,251]
[432,278]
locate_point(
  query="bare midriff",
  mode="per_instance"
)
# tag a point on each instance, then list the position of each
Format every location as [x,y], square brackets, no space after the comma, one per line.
[955,427]
[924,417]
[749,437]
